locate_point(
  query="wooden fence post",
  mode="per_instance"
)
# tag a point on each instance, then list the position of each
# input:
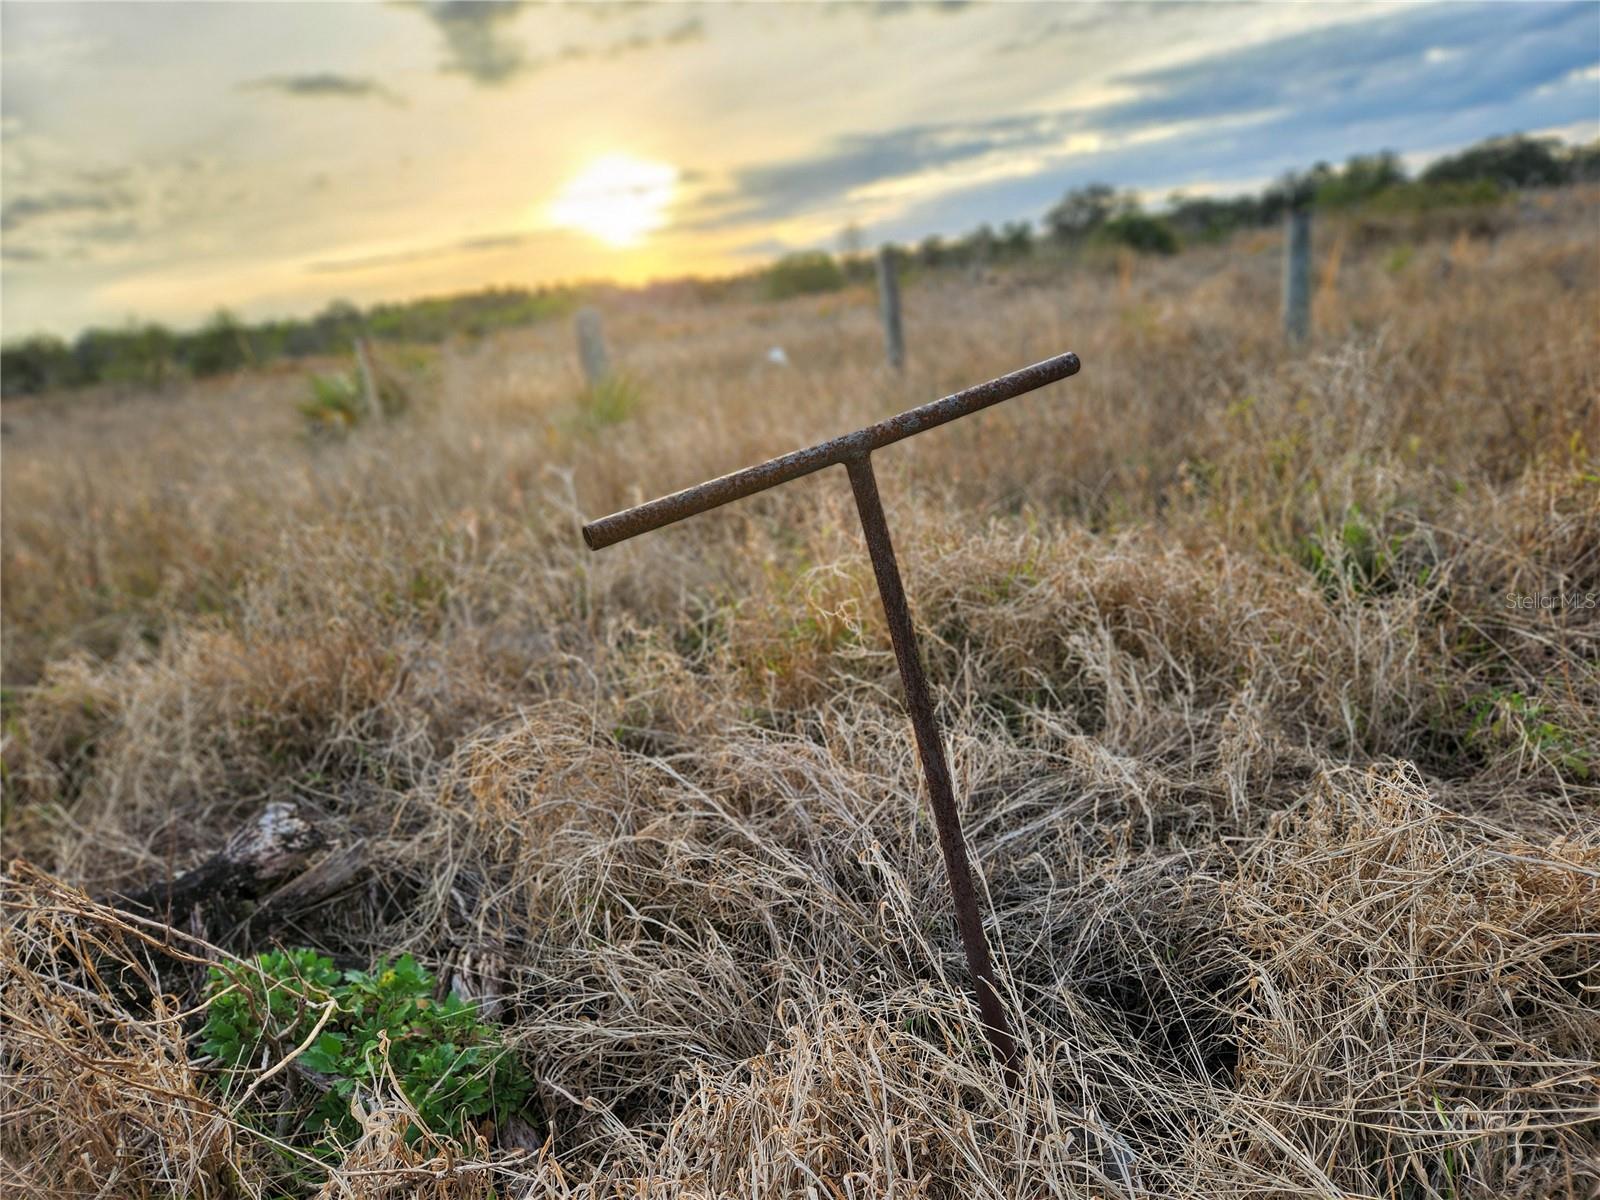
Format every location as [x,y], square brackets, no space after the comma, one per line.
[592,347]
[1297,275]
[894,340]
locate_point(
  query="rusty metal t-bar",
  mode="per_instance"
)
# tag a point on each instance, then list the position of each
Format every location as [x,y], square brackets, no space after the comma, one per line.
[853,451]
[642,518]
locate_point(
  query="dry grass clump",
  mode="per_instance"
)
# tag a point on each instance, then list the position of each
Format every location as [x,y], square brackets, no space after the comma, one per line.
[1284,803]
[99,1099]
[383,1165]
[848,1105]
[1422,999]
[103,1097]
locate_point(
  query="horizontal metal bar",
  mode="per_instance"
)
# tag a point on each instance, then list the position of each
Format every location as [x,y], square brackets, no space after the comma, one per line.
[631,522]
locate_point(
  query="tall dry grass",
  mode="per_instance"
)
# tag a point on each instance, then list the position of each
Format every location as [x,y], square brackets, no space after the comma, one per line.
[1287,817]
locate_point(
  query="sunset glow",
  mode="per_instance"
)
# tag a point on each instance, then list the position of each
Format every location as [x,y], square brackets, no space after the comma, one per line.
[617,199]
[165,159]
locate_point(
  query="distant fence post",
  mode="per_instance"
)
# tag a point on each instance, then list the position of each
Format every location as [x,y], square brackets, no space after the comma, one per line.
[592,346]
[369,378]
[894,341]
[1297,275]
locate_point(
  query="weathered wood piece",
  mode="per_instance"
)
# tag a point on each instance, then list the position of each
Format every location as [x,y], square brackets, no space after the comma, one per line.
[280,864]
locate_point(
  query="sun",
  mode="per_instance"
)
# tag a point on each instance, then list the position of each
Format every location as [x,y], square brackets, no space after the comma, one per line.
[616,198]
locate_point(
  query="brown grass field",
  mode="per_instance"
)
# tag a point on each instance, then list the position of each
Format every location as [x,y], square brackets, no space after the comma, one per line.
[1286,811]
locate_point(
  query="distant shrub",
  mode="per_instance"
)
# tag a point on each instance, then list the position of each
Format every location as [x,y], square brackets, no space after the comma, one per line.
[1513,162]
[610,400]
[37,364]
[339,402]
[141,355]
[1138,231]
[335,405]
[435,318]
[1362,177]
[1583,162]
[931,251]
[149,354]
[1210,219]
[802,274]
[221,345]
[1409,213]
[1084,210]
[1016,239]
[1430,197]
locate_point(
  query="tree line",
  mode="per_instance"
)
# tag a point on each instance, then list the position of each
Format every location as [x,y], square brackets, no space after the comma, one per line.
[1100,214]
[148,354]
[1094,215]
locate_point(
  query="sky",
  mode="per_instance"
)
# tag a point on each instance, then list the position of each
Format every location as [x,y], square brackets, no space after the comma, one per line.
[160,160]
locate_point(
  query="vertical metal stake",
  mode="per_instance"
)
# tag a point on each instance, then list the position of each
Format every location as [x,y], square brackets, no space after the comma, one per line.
[930,748]
[1297,275]
[592,347]
[369,378]
[894,338]
[852,451]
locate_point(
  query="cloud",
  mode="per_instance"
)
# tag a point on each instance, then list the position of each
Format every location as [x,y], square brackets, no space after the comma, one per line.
[474,39]
[1245,112]
[606,10]
[479,48]
[324,84]
[56,206]
[767,191]
[762,248]
[30,209]
[471,245]
[59,208]
[878,9]
[690,30]
[1073,21]
[1433,59]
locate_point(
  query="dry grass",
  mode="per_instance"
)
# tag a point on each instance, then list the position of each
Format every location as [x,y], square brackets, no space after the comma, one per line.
[1295,875]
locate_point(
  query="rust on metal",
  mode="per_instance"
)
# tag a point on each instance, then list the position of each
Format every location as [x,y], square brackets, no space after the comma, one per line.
[930,749]
[631,522]
[853,451]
